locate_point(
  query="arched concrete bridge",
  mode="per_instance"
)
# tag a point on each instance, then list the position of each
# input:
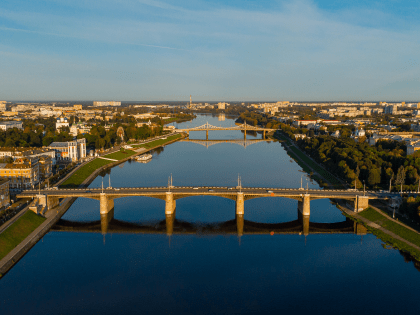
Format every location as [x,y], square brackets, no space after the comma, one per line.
[208,143]
[50,197]
[244,127]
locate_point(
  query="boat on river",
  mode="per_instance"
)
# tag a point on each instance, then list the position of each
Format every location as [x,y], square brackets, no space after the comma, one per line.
[144,158]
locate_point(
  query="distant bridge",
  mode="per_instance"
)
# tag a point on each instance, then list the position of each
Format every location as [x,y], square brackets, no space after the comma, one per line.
[208,143]
[49,198]
[244,127]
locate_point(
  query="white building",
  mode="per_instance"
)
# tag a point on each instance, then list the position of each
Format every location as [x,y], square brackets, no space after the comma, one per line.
[222,105]
[108,103]
[61,122]
[79,128]
[5,125]
[70,150]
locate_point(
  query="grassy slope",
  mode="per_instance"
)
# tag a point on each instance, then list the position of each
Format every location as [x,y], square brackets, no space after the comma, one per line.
[156,142]
[120,155]
[399,230]
[82,173]
[18,231]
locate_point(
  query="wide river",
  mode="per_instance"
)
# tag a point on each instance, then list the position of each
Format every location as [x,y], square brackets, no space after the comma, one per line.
[135,273]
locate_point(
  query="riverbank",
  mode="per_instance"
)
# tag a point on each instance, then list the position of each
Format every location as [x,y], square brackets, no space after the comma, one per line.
[112,159]
[15,252]
[390,231]
[316,171]
[16,233]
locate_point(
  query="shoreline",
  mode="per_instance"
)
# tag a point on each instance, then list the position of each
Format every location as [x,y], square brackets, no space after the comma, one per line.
[30,241]
[371,226]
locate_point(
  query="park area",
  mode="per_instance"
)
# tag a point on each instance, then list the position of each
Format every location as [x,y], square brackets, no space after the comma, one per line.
[80,175]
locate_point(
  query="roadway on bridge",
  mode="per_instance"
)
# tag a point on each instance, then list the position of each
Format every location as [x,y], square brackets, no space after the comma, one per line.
[207,190]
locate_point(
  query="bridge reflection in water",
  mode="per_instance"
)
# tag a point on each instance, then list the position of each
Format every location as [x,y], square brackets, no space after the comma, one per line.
[238,226]
[208,143]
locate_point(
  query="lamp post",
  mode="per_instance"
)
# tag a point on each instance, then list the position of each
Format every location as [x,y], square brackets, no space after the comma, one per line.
[364,188]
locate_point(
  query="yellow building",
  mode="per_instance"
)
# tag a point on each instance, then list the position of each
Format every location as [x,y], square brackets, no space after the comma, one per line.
[77,107]
[23,173]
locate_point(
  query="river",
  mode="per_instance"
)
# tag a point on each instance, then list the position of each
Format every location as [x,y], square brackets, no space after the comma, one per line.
[129,273]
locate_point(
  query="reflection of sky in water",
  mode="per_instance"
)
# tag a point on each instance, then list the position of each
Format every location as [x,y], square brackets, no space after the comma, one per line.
[82,273]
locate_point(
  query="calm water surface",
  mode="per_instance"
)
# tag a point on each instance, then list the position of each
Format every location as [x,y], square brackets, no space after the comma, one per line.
[91,273]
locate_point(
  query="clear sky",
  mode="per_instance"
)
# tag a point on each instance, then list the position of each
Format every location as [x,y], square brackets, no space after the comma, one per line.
[146,50]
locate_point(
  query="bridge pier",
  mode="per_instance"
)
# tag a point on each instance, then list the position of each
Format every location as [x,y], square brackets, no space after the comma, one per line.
[240,224]
[106,203]
[361,203]
[245,134]
[304,220]
[105,219]
[264,134]
[170,204]
[240,203]
[359,229]
[304,205]
[52,202]
[207,135]
[170,219]
[304,213]
[49,202]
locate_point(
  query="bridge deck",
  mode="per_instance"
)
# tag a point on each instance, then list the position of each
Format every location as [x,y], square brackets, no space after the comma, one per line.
[180,192]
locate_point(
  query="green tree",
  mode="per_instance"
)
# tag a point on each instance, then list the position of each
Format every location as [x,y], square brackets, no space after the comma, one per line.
[374,176]
[400,176]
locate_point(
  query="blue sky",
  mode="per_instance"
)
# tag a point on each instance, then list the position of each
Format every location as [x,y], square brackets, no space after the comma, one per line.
[146,50]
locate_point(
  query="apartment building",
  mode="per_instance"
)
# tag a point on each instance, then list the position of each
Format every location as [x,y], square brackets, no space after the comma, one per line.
[107,103]
[29,153]
[4,193]
[45,167]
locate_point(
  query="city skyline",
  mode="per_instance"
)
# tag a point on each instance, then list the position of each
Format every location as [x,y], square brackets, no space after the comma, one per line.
[244,51]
